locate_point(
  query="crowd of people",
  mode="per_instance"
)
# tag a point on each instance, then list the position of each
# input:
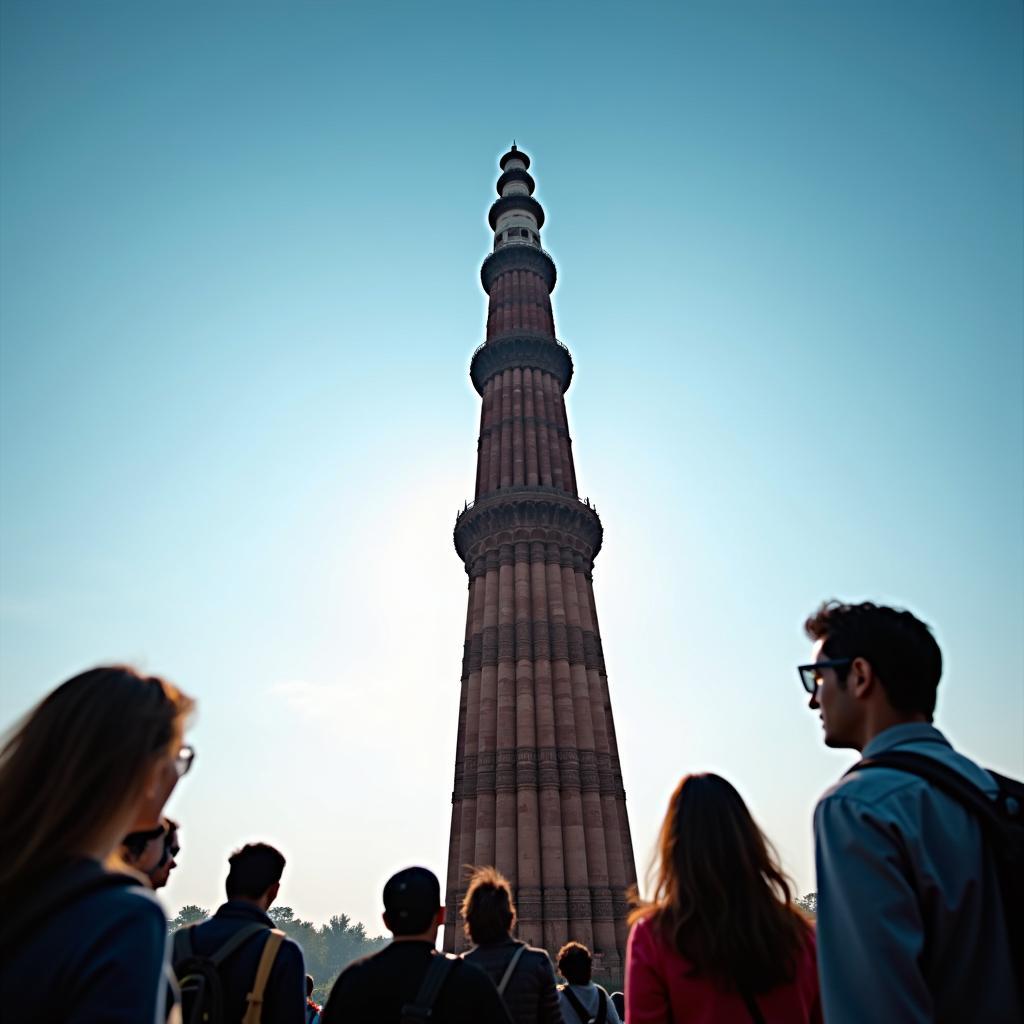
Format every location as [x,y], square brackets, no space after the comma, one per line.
[917,855]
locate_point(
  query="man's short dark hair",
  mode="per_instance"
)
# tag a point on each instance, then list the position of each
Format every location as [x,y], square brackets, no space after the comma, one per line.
[575,963]
[487,909]
[254,869]
[899,646]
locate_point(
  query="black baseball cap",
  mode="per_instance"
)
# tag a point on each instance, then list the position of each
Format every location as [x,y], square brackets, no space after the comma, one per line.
[411,899]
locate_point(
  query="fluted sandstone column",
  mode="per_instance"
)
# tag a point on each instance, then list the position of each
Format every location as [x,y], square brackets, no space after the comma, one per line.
[538,784]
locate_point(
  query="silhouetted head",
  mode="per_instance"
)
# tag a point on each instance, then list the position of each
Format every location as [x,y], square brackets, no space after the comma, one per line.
[255,874]
[871,667]
[575,963]
[160,875]
[412,902]
[487,909]
[94,760]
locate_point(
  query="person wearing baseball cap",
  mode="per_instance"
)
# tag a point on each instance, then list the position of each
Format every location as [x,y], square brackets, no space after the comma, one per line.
[409,979]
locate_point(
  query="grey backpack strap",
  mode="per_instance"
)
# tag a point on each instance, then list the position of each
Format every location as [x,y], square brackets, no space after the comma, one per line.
[510,970]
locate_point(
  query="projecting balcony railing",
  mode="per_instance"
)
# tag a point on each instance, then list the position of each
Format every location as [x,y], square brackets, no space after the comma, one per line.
[523,334]
[507,243]
[525,489]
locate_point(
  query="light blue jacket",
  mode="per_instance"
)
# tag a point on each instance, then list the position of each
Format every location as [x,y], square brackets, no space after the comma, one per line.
[910,922]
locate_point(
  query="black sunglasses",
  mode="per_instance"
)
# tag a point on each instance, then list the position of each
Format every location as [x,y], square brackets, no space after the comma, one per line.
[809,674]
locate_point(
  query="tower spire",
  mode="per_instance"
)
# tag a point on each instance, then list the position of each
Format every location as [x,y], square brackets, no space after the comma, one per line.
[538,788]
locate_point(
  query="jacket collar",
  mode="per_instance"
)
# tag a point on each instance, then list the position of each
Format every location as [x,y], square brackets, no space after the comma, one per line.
[898,735]
[247,911]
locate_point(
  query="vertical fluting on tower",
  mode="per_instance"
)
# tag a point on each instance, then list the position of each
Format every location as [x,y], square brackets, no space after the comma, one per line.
[538,785]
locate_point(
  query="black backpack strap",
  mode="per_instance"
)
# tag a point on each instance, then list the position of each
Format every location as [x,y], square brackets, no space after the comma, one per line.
[422,1007]
[602,1007]
[752,1008]
[181,949]
[238,939]
[184,948]
[574,1002]
[949,780]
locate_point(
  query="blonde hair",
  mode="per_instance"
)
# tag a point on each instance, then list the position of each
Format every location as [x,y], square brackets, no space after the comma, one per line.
[75,761]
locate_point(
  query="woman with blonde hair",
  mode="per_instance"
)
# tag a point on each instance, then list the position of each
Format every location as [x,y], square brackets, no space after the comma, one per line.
[94,761]
[720,940]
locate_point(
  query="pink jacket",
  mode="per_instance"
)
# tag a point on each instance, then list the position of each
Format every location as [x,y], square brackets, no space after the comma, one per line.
[659,990]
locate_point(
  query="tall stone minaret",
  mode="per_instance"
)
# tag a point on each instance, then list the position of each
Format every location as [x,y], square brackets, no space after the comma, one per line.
[538,788]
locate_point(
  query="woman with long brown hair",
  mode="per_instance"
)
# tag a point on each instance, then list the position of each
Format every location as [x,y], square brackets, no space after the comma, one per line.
[94,761]
[719,940]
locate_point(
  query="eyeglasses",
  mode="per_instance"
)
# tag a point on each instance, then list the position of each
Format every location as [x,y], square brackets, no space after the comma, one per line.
[811,674]
[183,759]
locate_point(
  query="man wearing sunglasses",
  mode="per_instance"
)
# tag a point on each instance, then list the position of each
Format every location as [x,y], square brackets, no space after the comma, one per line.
[160,875]
[911,926]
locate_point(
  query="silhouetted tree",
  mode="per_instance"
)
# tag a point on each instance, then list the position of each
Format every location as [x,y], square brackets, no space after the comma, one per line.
[329,948]
[809,903]
[189,914]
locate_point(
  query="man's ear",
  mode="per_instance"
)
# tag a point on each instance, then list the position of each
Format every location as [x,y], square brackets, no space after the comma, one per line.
[271,894]
[440,914]
[861,678]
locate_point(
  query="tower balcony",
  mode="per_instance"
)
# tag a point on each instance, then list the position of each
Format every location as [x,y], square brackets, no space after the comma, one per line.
[515,202]
[521,351]
[528,514]
[522,256]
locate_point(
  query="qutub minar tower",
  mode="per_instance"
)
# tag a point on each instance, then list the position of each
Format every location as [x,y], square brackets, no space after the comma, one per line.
[538,788]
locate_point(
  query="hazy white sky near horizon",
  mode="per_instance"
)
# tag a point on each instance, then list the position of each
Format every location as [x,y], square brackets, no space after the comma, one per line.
[239,256]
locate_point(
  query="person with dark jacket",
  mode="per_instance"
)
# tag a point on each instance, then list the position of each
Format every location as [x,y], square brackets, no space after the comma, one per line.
[524,976]
[80,940]
[252,885]
[375,989]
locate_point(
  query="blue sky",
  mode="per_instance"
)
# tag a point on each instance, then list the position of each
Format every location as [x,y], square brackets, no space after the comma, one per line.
[239,251]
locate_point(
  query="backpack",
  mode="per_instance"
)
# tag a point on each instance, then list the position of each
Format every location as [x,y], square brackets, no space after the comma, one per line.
[581,1011]
[202,991]
[1002,827]
[421,1009]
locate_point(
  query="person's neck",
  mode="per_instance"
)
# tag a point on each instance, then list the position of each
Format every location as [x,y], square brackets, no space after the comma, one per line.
[885,718]
[248,901]
[428,936]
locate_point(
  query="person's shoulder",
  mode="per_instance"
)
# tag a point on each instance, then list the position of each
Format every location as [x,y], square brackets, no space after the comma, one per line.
[869,787]
[291,950]
[354,977]
[122,899]
[467,974]
[536,955]
[643,931]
